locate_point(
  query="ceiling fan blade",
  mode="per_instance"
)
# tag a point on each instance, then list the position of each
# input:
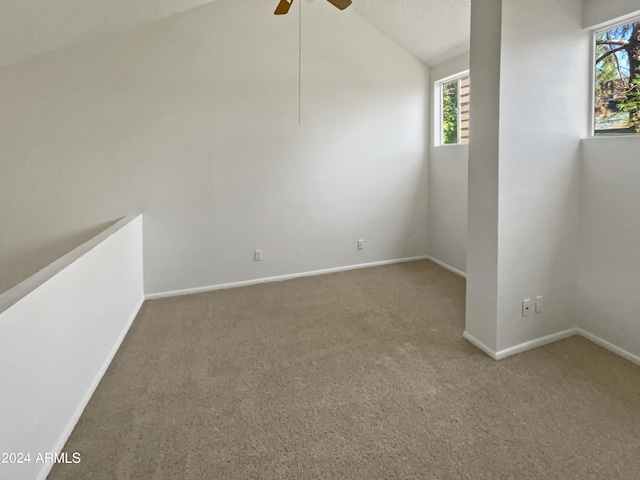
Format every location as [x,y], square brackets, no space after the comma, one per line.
[283,7]
[341,4]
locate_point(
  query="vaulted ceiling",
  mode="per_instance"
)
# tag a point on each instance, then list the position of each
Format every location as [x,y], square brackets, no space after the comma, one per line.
[432,30]
[33,27]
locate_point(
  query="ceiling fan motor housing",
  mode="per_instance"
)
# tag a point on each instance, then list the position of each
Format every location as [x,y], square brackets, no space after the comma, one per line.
[284,5]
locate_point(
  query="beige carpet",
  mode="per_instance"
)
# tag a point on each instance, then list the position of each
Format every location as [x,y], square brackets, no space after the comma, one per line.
[355,375]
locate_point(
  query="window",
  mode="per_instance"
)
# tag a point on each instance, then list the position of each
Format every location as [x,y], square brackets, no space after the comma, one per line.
[617,80]
[452,116]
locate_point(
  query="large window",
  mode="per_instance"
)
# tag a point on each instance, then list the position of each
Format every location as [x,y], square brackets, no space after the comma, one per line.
[617,80]
[452,114]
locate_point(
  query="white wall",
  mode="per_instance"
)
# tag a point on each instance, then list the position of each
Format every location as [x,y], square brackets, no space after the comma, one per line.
[193,120]
[528,187]
[597,12]
[565,213]
[609,274]
[568,217]
[608,281]
[448,185]
[543,114]
[57,338]
[482,225]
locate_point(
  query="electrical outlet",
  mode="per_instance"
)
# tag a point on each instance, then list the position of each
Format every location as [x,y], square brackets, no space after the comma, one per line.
[539,304]
[360,244]
[257,255]
[526,307]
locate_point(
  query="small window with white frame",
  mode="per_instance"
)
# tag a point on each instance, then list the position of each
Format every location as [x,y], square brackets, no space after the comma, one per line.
[452,110]
[617,79]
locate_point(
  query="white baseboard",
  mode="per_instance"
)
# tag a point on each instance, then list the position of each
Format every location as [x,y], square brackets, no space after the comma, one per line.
[448,267]
[523,347]
[609,346]
[280,278]
[64,437]
[478,344]
[538,342]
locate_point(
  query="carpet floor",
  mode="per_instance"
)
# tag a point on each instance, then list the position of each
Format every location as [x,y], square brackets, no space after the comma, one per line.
[355,375]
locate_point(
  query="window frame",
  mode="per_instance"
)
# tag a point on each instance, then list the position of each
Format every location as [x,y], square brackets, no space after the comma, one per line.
[602,28]
[438,100]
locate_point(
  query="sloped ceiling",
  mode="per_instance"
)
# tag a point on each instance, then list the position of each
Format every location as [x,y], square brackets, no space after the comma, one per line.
[432,30]
[33,27]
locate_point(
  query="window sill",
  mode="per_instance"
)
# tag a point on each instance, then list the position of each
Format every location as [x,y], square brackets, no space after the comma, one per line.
[609,138]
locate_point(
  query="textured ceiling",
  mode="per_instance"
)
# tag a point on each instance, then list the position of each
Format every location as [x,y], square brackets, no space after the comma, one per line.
[432,30]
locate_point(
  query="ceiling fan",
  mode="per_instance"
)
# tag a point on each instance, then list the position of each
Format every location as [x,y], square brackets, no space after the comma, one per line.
[284,5]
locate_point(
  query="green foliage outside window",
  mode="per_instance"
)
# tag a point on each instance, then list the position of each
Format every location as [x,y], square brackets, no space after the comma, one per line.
[450,112]
[632,104]
[617,86]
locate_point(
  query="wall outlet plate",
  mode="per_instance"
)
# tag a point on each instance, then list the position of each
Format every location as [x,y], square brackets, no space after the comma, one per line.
[257,255]
[526,307]
[539,304]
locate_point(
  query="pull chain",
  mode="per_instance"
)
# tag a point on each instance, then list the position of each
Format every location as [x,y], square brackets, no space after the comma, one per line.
[300,2]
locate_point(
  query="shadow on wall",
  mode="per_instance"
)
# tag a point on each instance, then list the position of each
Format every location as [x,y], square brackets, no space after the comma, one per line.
[204,139]
[32,259]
